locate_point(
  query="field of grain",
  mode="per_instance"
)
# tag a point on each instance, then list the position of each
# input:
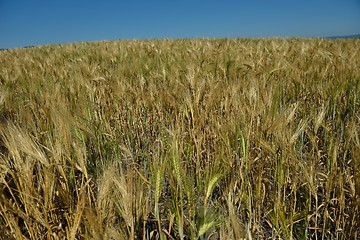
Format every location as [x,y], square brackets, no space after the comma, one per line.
[181,139]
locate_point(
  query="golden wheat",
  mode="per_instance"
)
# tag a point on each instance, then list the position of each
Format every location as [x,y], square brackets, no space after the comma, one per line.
[181,139]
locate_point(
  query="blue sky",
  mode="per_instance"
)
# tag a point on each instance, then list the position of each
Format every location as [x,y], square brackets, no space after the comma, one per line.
[38,22]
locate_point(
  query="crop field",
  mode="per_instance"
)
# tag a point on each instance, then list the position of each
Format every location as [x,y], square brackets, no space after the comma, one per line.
[181,139]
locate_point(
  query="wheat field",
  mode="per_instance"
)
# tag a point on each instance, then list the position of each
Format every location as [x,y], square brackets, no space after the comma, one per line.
[181,139]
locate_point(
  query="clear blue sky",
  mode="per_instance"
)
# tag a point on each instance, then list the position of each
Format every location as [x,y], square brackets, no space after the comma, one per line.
[37,22]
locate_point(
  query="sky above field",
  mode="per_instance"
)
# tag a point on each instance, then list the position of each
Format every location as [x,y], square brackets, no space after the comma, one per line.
[38,22]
